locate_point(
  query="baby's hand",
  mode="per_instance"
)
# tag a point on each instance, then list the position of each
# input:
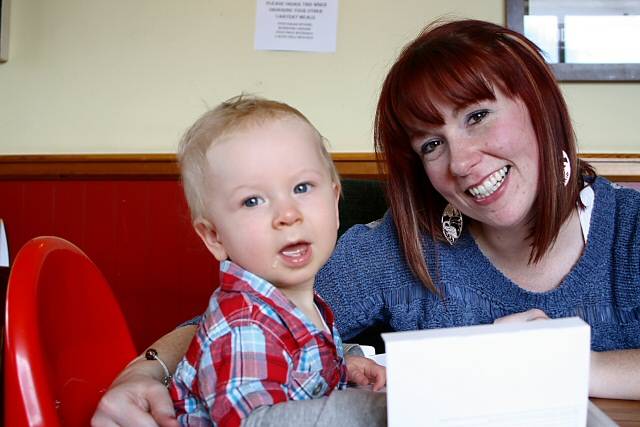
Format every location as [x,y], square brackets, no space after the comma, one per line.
[363,371]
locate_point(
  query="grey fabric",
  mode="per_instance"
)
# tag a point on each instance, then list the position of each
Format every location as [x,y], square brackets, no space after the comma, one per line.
[352,407]
[352,349]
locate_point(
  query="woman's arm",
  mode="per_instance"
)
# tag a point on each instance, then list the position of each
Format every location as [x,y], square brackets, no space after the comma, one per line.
[615,374]
[137,396]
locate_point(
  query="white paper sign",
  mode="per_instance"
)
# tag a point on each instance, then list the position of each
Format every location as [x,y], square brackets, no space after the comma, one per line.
[4,247]
[308,26]
[526,374]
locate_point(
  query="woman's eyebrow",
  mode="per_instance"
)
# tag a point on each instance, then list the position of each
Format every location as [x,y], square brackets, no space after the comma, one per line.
[424,132]
[457,110]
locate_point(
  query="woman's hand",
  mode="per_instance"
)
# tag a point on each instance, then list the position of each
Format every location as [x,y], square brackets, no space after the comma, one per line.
[363,371]
[136,398]
[613,374]
[525,316]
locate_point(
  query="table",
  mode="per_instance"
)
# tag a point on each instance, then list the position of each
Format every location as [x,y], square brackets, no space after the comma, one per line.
[624,412]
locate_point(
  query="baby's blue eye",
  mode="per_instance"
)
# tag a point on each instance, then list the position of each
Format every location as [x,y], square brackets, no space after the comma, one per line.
[301,188]
[251,202]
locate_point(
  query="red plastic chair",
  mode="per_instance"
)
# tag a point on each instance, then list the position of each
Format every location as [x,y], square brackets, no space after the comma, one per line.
[65,338]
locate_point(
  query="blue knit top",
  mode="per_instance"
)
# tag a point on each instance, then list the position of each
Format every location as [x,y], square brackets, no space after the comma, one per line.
[367,280]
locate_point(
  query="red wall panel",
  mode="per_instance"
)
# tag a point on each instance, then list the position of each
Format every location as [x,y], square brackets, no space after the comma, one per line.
[137,232]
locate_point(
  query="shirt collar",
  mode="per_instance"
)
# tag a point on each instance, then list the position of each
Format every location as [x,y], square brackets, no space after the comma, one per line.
[234,278]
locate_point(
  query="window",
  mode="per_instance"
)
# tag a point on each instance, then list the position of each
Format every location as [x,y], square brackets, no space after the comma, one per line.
[583,40]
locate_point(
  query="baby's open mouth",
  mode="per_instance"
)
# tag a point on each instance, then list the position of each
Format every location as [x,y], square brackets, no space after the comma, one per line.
[295,250]
[296,254]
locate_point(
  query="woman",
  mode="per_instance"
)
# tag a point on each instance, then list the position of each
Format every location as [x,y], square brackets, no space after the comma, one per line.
[492,217]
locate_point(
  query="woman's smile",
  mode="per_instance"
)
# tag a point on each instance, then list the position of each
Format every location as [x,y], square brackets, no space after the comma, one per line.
[490,185]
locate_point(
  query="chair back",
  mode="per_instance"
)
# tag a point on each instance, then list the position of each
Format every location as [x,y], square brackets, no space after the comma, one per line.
[65,338]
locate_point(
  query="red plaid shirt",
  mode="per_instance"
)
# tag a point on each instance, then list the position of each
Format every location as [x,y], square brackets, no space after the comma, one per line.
[254,347]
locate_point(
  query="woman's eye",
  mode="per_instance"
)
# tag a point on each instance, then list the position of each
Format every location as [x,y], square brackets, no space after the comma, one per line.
[429,146]
[301,188]
[252,201]
[477,116]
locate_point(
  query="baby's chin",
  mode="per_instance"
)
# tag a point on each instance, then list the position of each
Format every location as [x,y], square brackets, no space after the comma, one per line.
[293,280]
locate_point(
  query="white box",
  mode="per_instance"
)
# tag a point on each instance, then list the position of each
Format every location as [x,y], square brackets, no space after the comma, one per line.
[515,374]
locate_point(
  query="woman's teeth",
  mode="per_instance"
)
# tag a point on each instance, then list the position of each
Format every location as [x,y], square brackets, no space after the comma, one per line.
[490,185]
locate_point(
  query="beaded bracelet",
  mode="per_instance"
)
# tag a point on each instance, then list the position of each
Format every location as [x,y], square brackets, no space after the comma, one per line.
[152,354]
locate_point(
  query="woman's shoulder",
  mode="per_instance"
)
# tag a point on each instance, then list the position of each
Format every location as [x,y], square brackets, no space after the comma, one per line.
[365,251]
[615,220]
[365,242]
[620,203]
[616,192]
[365,232]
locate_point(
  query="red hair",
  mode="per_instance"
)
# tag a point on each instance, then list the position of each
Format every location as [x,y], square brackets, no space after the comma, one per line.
[459,63]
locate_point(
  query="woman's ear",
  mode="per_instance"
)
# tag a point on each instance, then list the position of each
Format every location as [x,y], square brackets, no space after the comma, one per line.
[337,190]
[210,237]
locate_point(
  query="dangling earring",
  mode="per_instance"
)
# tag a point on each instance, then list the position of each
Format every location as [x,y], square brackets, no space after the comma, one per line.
[566,167]
[451,223]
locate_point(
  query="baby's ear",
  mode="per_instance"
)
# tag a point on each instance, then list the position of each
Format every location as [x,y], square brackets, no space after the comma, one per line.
[337,191]
[210,238]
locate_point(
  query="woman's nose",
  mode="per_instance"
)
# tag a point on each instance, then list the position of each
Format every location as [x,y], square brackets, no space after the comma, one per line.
[463,156]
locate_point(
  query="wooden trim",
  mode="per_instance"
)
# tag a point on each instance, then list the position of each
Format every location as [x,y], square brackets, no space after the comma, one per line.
[356,165]
[88,166]
[618,167]
[132,166]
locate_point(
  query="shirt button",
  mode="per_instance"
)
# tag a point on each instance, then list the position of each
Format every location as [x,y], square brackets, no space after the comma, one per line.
[317,390]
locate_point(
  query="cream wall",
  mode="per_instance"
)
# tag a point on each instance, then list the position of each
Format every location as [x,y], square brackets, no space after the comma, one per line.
[123,76]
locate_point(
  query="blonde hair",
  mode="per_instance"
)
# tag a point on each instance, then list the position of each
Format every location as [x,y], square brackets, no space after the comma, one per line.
[232,115]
